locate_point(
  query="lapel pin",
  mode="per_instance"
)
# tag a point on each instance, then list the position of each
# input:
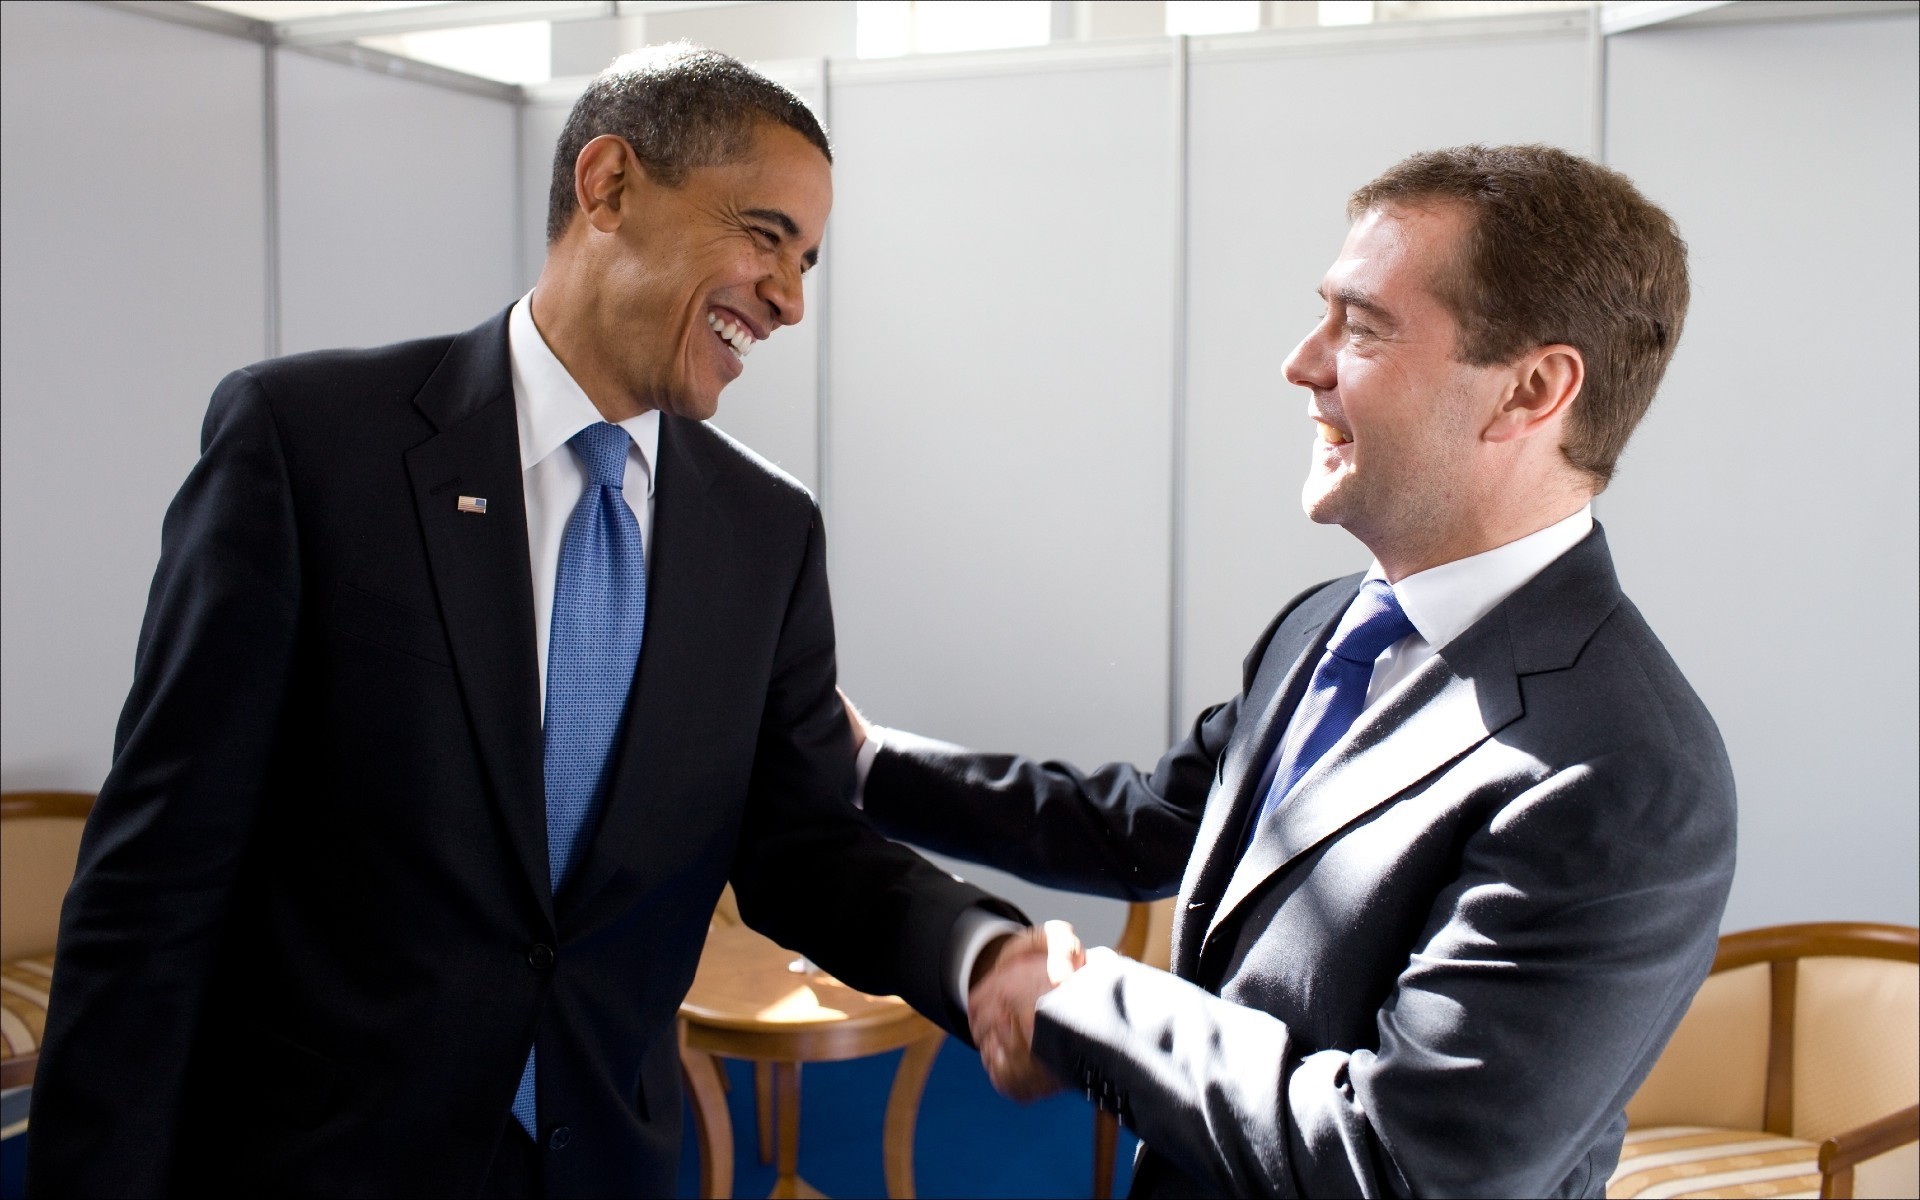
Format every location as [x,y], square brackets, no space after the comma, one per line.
[473,504]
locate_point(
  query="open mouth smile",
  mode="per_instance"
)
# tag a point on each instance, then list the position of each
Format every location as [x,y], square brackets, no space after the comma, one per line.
[737,336]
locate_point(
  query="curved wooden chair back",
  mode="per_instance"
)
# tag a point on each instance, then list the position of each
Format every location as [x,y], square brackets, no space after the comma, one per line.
[39,845]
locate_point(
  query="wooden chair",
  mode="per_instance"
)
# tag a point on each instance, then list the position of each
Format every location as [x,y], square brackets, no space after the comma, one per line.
[753,1000]
[1796,1068]
[1146,937]
[39,845]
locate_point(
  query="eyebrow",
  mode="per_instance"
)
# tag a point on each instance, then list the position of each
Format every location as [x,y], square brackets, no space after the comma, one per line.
[1354,298]
[787,226]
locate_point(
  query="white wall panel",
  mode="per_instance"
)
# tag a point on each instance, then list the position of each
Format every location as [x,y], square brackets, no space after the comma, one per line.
[397,206]
[133,219]
[1765,516]
[1278,142]
[998,467]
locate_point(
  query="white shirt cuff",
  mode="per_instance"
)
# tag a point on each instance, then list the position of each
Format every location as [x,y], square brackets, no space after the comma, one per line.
[863,763]
[972,933]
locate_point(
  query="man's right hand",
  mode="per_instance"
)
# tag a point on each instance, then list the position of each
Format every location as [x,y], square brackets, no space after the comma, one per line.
[855,722]
[1001,1001]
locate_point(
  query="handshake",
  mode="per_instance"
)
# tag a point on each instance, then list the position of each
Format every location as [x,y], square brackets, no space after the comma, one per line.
[1009,978]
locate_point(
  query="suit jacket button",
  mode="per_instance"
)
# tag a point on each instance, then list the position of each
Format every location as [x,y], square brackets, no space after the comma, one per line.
[558,1139]
[540,957]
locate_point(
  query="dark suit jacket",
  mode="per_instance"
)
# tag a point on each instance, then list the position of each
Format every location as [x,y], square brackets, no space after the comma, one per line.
[312,937]
[1446,964]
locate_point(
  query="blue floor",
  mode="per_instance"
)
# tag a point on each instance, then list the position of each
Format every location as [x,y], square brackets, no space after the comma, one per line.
[969,1141]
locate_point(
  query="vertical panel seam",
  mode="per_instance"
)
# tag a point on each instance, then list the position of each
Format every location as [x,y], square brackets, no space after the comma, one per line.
[270,135]
[1177,476]
[823,330]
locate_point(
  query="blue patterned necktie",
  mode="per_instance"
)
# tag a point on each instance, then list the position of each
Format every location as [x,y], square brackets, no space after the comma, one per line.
[599,612]
[1338,690]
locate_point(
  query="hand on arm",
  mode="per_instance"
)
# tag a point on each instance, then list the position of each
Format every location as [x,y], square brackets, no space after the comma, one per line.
[1009,978]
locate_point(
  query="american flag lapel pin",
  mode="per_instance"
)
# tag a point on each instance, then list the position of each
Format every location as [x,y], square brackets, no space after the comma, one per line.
[473,504]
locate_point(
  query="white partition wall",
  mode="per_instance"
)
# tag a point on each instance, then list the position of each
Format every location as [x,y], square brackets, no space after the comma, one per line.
[1765,516]
[134,228]
[998,468]
[397,203]
[1281,135]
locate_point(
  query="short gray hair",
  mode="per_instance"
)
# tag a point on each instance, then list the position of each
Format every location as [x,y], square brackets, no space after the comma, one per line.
[679,106]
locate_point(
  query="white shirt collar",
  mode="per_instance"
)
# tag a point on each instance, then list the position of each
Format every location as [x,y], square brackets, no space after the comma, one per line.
[1443,602]
[550,407]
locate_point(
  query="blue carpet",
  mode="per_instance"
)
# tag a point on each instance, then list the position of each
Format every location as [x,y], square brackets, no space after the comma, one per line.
[969,1140]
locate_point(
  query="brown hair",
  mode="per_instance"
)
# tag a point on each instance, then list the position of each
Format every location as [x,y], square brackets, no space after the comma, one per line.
[1560,250]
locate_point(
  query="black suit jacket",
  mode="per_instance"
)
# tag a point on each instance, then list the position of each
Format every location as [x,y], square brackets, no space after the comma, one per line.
[1447,963]
[311,936]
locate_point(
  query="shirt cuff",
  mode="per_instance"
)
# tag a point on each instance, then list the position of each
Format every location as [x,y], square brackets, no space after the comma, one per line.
[863,763]
[973,930]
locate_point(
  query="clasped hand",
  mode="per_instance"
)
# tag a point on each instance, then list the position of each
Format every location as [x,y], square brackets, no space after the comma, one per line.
[1000,1004]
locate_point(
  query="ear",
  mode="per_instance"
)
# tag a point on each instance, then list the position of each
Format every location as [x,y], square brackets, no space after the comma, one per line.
[1541,390]
[603,179]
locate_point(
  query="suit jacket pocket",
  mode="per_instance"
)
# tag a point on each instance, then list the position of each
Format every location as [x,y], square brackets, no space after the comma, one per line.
[370,618]
[300,1085]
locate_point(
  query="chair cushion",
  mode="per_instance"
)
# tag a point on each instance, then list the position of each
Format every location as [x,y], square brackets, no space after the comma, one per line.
[23,1016]
[1693,1160]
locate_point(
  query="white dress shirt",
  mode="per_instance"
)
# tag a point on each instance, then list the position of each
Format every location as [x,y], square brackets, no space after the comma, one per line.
[550,408]
[1443,602]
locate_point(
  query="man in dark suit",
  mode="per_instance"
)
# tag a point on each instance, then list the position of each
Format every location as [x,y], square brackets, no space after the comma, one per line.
[474,667]
[1452,863]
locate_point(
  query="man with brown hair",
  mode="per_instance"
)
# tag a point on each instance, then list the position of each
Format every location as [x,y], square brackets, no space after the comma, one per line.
[1452,863]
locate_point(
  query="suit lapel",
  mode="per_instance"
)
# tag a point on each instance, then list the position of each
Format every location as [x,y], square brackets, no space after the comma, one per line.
[482,575]
[686,571]
[1277,684]
[1465,694]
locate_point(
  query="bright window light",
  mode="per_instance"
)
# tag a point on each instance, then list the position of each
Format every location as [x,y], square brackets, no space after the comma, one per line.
[887,28]
[882,28]
[1212,16]
[1346,12]
[518,53]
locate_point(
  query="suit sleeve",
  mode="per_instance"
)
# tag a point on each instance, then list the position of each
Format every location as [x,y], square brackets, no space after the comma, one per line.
[811,872]
[1567,948]
[1116,831]
[159,857]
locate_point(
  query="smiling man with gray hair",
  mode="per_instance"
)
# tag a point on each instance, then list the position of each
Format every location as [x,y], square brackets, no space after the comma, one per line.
[474,668]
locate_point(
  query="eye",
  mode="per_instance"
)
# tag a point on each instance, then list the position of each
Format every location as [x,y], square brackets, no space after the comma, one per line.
[767,237]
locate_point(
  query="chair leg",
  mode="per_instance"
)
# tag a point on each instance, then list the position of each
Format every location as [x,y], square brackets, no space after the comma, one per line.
[712,1125]
[763,1107]
[903,1108]
[1838,1185]
[1106,1143]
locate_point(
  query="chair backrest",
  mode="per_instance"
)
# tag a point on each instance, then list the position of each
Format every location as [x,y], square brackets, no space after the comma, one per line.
[39,845]
[1801,1030]
[1148,933]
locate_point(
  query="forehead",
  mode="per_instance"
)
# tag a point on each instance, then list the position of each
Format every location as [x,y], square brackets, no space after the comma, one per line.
[1398,250]
[781,168]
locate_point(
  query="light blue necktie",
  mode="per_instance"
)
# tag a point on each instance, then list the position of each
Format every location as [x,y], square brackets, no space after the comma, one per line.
[599,613]
[1338,691]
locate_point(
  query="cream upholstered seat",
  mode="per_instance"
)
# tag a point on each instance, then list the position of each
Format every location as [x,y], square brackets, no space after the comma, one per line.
[39,844]
[1795,1073]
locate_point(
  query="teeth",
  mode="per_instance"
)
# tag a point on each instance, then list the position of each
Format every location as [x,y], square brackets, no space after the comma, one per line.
[1330,435]
[737,336]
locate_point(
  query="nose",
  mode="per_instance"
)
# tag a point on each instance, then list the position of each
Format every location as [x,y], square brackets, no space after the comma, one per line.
[784,294]
[1311,363]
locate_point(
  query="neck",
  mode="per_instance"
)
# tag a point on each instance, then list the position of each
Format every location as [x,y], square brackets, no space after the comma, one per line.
[1481,528]
[564,311]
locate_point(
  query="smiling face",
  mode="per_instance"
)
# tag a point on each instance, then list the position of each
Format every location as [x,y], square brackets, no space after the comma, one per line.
[1399,459]
[687,280]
